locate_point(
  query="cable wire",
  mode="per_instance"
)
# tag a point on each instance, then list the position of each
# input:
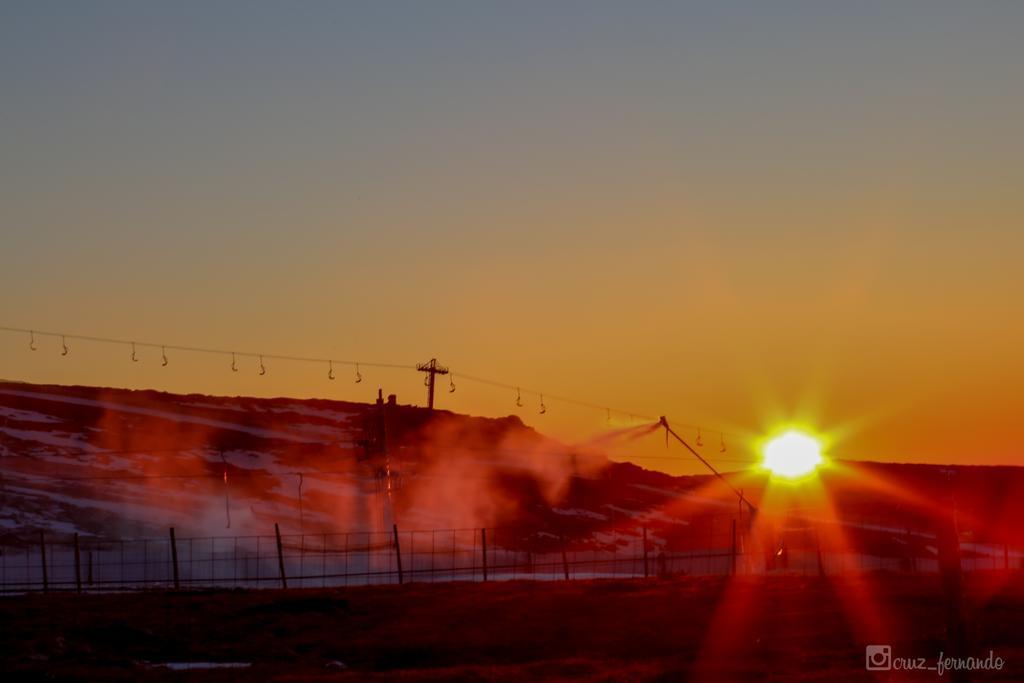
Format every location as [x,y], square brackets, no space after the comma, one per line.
[134,345]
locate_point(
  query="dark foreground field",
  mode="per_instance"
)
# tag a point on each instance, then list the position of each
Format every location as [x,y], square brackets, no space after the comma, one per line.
[770,628]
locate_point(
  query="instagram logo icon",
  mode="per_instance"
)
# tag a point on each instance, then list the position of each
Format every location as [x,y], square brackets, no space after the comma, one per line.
[878,657]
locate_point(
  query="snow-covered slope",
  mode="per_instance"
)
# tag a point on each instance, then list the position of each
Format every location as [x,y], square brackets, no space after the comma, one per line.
[115,463]
[111,463]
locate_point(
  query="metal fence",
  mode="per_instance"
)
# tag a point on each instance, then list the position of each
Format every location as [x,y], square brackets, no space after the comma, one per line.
[713,545]
[76,562]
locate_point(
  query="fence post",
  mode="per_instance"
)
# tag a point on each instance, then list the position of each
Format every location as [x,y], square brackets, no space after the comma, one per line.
[483,544]
[911,554]
[948,541]
[817,542]
[565,561]
[647,570]
[280,555]
[398,554]
[42,550]
[732,552]
[78,566]
[174,560]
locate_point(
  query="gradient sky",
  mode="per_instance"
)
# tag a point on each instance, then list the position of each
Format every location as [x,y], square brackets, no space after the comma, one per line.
[735,213]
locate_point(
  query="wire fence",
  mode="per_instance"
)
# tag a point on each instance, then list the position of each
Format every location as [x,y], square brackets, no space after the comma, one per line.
[714,545]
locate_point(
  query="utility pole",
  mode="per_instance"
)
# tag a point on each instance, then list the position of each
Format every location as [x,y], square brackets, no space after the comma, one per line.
[432,369]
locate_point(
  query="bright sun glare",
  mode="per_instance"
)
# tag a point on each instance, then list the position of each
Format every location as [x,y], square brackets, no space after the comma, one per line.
[792,454]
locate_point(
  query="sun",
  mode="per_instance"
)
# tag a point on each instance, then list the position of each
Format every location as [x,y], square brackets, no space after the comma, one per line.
[792,454]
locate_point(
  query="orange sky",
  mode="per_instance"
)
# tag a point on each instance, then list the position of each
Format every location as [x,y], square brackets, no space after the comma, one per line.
[736,220]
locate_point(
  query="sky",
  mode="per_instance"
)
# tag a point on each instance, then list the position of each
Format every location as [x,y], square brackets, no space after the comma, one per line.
[738,214]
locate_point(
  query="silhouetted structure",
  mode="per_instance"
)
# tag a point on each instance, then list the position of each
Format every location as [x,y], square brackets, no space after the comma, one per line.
[432,369]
